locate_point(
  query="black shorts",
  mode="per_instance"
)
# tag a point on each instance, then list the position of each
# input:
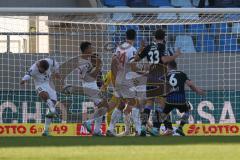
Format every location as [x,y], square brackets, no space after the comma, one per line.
[150,87]
[181,107]
[156,81]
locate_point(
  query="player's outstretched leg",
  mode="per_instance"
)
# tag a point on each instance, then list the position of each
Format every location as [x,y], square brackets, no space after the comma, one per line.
[165,118]
[136,119]
[127,122]
[168,125]
[144,118]
[116,115]
[154,131]
[97,126]
[183,121]
[47,125]
[51,111]
[88,125]
[97,120]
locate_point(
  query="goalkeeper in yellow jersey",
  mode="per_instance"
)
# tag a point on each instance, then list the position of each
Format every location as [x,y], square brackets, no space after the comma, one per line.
[108,80]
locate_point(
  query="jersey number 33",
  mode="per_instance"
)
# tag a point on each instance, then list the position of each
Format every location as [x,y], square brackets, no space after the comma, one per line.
[154,56]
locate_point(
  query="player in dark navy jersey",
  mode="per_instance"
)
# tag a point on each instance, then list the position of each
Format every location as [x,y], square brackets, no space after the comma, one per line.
[176,98]
[156,84]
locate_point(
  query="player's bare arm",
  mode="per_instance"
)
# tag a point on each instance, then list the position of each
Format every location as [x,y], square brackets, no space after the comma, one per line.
[140,50]
[97,69]
[114,65]
[195,88]
[166,59]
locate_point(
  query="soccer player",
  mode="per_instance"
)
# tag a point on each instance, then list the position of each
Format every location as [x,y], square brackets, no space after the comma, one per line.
[115,105]
[42,71]
[176,98]
[160,104]
[88,71]
[114,101]
[121,67]
[157,57]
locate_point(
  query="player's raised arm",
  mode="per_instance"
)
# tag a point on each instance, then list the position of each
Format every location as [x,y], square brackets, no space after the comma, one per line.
[96,61]
[56,70]
[142,52]
[134,67]
[54,65]
[27,76]
[195,88]
[167,59]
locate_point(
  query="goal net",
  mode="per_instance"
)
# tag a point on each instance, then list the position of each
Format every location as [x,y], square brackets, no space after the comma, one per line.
[209,41]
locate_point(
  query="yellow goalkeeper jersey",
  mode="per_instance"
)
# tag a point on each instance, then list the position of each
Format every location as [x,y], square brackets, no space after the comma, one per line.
[109,79]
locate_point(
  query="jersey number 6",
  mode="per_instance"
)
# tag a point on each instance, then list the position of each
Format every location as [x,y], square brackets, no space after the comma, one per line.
[173,80]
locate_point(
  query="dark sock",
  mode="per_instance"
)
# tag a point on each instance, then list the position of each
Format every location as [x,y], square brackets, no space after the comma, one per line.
[182,123]
[156,120]
[167,123]
[145,115]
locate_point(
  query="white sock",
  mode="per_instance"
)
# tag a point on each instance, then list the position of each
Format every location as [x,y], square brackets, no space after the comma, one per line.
[97,125]
[127,121]
[47,124]
[116,115]
[51,106]
[136,119]
[100,112]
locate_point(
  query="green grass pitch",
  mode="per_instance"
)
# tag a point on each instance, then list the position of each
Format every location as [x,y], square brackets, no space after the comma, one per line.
[119,148]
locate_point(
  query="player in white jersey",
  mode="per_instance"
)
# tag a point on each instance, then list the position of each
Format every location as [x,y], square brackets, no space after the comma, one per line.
[88,71]
[42,71]
[122,67]
[89,66]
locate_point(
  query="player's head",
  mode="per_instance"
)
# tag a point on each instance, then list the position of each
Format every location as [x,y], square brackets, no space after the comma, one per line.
[172,65]
[43,66]
[159,34]
[86,47]
[131,34]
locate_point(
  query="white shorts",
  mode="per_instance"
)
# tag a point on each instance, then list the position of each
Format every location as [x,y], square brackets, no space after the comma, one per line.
[124,85]
[125,90]
[45,87]
[141,91]
[92,91]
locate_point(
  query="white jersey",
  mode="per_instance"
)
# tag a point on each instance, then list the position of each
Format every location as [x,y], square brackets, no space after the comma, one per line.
[89,83]
[125,54]
[40,78]
[84,68]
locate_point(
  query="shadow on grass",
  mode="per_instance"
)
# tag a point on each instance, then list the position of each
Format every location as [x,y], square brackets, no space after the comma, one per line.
[112,141]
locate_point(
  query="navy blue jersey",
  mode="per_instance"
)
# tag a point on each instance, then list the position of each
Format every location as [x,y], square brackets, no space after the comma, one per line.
[154,53]
[176,80]
[155,79]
